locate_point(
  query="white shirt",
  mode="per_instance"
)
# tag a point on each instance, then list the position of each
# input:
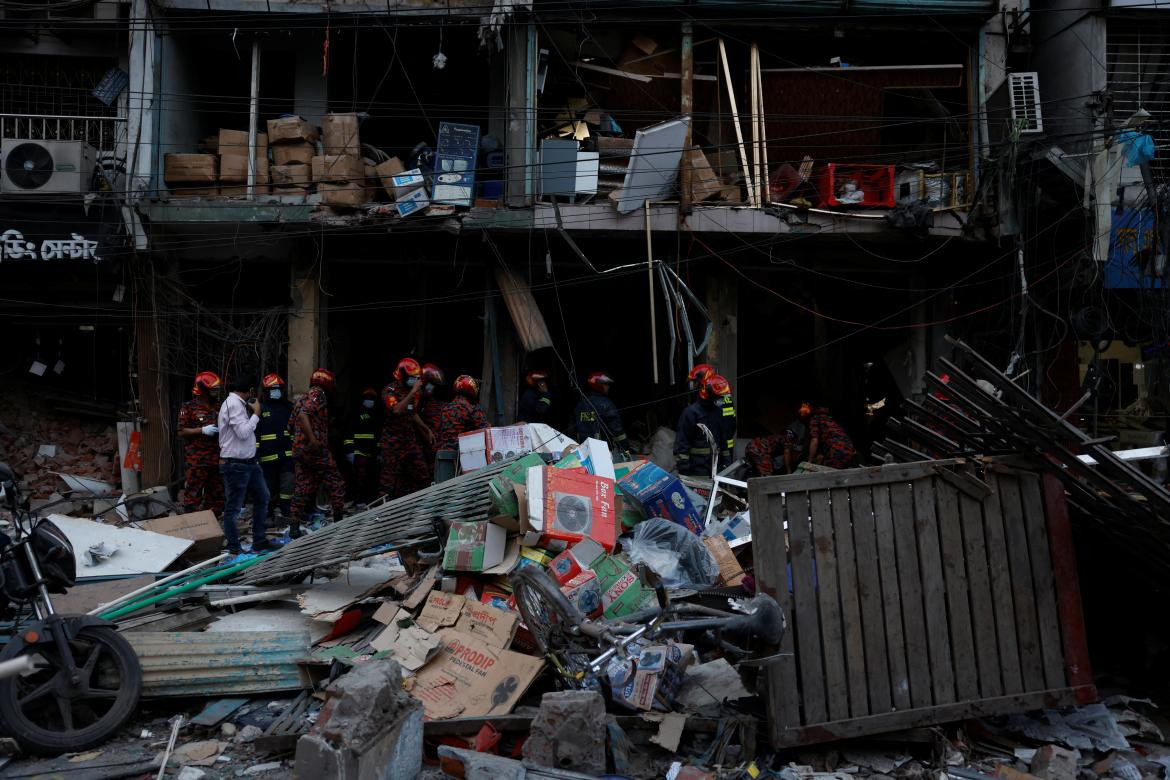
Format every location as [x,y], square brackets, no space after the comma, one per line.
[237,429]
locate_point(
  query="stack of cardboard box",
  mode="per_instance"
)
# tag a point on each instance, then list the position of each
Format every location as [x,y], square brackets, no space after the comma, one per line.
[191,175]
[340,173]
[233,162]
[294,145]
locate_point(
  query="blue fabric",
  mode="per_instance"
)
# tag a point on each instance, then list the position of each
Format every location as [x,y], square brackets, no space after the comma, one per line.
[238,480]
[1139,147]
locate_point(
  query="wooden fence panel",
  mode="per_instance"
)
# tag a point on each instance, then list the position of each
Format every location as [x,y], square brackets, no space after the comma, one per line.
[916,598]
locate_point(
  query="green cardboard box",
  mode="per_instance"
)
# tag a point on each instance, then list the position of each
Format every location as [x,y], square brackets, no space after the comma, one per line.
[621,591]
[500,491]
[474,546]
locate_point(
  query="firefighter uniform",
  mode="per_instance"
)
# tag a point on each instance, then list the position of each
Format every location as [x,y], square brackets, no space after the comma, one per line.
[313,468]
[430,411]
[692,450]
[535,406]
[597,417]
[404,469]
[274,448]
[459,415]
[202,486]
[362,444]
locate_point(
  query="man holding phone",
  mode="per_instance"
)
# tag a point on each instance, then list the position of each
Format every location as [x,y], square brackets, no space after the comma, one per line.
[240,467]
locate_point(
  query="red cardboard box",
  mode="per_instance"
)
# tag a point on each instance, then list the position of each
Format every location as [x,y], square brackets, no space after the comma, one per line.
[567,506]
[584,592]
[576,559]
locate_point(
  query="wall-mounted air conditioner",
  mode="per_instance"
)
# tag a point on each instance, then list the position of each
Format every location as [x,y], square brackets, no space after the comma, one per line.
[35,166]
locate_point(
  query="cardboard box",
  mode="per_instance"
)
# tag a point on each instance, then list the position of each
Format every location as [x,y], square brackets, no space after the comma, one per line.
[409,204]
[233,169]
[468,678]
[350,193]
[658,493]
[339,134]
[704,182]
[290,129]
[731,573]
[238,190]
[190,168]
[478,448]
[373,183]
[236,142]
[406,183]
[338,168]
[574,560]
[653,678]
[295,175]
[287,154]
[567,506]
[495,627]
[474,546]
[584,592]
[622,592]
[183,192]
[386,171]
[535,556]
[200,527]
[500,491]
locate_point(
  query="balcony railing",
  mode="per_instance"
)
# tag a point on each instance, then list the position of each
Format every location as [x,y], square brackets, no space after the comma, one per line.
[101,132]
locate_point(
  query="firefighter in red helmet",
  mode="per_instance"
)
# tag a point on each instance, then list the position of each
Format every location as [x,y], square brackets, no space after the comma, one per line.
[596,416]
[274,444]
[404,469]
[197,426]
[313,464]
[536,402]
[692,450]
[459,415]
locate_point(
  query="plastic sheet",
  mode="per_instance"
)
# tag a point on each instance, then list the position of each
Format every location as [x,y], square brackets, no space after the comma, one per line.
[675,554]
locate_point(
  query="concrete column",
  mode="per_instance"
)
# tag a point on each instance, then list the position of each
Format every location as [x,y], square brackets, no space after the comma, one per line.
[522,102]
[305,326]
[723,305]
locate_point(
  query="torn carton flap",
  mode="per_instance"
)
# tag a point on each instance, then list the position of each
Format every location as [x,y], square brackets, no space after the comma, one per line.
[330,600]
[495,627]
[441,610]
[411,646]
[470,679]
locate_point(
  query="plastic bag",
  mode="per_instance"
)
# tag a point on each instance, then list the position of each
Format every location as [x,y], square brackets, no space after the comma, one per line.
[675,554]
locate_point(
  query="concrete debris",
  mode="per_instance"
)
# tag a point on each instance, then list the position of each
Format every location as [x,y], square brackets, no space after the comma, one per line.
[191,773]
[569,732]
[248,734]
[1052,762]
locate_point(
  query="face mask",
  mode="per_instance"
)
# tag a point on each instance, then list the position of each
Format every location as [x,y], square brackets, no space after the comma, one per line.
[430,388]
[274,395]
[368,403]
[719,402]
[411,381]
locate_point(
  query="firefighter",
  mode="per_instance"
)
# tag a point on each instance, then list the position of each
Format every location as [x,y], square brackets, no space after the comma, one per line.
[197,426]
[536,403]
[692,450]
[403,468]
[274,444]
[828,444]
[361,448]
[596,416]
[698,377]
[429,407]
[313,464]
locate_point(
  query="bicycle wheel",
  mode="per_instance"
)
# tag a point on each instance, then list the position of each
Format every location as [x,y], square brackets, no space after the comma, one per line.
[549,616]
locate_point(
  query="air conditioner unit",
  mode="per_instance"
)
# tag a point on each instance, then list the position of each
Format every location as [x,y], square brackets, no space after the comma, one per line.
[1024,92]
[35,166]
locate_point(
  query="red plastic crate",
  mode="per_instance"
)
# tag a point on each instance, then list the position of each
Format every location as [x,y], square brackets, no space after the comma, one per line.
[876,181]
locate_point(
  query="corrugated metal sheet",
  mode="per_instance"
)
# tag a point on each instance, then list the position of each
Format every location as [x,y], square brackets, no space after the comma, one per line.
[177,663]
[835,7]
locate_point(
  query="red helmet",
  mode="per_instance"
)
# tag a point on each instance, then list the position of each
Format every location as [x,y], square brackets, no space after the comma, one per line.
[272,380]
[466,385]
[407,367]
[205,382]
[700,373]
[598,381]
[536,376]
[432,373]
[324,379]
[370,392]
[716,386]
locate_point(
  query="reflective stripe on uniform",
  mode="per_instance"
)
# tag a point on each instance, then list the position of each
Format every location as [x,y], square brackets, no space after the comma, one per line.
[269,458]
[347,442]
[368,436]
[268,437]
[700,450]
[729,411]
[731,444]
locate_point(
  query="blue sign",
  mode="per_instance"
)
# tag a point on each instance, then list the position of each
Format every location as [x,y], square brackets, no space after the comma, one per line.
[1134,254]
[455,154]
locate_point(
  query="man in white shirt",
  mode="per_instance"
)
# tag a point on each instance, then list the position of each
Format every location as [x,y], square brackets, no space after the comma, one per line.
[240,467]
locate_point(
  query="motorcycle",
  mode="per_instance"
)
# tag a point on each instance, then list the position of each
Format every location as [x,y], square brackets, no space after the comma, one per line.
[67,682]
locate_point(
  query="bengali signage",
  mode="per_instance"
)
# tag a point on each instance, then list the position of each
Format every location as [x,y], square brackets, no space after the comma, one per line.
[14,246]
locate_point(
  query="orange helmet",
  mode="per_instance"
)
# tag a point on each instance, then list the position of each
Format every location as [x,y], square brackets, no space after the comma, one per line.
[716,386]
[323,378]
[432,373]
[205,382]
[407,367]
[535,377]
[598,381]
[466,385]
[805,410]
[700,373]
[370,392]
[272,380]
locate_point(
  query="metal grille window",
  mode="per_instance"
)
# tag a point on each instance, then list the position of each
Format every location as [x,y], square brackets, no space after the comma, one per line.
[1137,59]
[51,98]
[1024,89]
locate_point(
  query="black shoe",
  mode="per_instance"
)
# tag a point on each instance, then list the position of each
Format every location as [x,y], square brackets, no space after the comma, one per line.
[269,545]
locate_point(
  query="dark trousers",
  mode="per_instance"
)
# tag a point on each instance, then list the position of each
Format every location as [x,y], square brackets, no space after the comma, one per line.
[240,478]
[278,475]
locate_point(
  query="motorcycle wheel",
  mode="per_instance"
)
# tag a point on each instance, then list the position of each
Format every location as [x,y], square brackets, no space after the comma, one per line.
[48,716]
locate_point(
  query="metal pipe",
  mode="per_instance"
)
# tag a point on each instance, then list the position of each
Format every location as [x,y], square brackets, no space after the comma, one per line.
[266,595]
[650,280]
[217,575]
[253,118]
[132,594]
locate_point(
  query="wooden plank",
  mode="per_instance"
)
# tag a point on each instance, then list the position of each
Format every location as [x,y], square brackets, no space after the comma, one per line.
[891,598]
[1036,527]
[1001,590]
[829,595]
[958,607]
[772,575]
[1023,590]
[806,618]
[946,713]
[735,121]
[869,590]
[850,604]
[942,674]
[910,585]
[850,478]
[982,603]
[1068,589]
